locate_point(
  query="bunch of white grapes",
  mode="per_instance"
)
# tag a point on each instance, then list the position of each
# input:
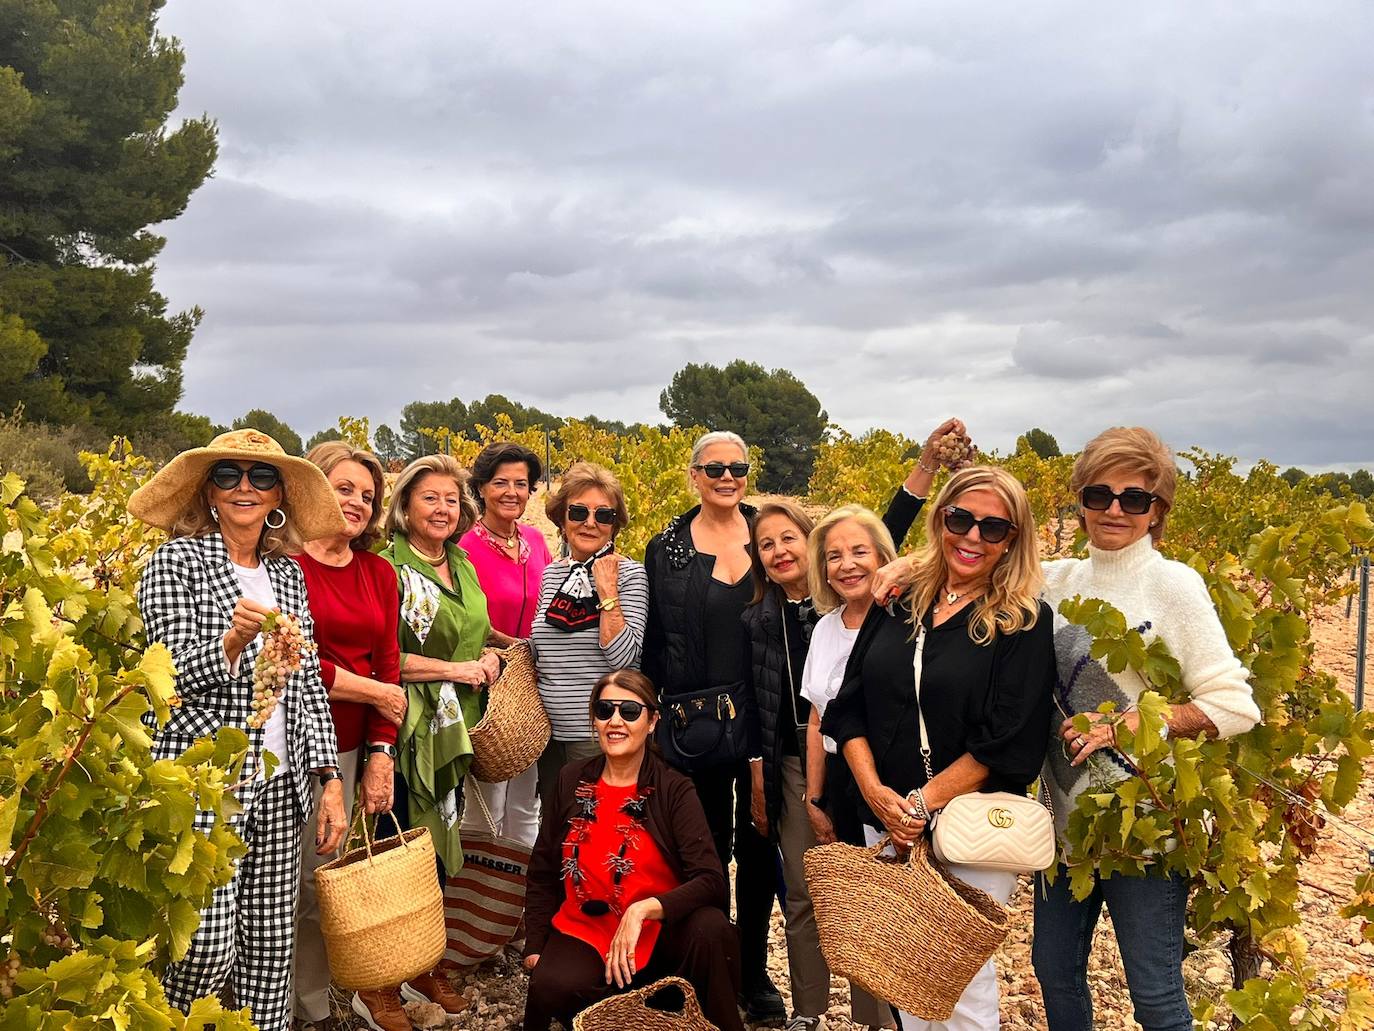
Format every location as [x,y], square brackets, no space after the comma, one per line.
[954,451]
[283,648]
[7,973]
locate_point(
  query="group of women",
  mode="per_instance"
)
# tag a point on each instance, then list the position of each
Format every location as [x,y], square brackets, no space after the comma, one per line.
[820,659]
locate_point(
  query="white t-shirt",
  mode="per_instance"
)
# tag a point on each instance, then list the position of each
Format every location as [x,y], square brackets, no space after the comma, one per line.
[823,675]
[257,586]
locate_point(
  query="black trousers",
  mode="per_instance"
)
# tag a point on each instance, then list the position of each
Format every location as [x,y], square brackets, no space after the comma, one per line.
[701,949]
[724,794]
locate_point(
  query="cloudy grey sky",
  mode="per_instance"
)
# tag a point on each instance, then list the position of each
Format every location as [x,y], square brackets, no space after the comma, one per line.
[1053,214]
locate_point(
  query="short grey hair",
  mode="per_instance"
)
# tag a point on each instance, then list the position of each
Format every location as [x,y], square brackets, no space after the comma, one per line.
[718,437]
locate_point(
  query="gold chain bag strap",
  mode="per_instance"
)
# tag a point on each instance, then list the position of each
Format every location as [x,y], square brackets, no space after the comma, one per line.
[988,830]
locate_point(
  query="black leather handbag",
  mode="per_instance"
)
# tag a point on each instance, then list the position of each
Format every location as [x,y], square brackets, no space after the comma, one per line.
[700,730]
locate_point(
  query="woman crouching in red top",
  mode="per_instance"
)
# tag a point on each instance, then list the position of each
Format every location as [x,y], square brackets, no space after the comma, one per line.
[625,885]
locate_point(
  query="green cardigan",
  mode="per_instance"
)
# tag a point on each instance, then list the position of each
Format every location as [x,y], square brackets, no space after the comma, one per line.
[433,748]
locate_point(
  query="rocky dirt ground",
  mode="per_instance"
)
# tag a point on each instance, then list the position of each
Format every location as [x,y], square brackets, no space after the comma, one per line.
[497,989]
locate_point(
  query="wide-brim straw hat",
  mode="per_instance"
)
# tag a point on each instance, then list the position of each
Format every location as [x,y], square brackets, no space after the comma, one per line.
[165,498]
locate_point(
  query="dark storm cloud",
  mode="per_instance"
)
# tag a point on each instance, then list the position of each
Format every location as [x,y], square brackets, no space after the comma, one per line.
[1068,215]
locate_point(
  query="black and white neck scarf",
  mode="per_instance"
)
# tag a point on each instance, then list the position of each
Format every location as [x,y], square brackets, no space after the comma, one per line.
[576,606]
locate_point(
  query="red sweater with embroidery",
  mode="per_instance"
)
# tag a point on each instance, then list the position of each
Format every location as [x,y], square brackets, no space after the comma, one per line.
[356,608]
[646,874]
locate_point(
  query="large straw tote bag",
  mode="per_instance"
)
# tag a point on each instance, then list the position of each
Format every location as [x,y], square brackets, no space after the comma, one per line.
[905,930]
[632,1011]
[512,733]
[485,900]
[381,910]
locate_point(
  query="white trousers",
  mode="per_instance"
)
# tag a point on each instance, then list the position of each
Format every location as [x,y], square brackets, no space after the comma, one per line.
[977,1008]
[514,806]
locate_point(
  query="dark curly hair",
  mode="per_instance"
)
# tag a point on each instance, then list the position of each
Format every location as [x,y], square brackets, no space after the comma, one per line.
[495,455]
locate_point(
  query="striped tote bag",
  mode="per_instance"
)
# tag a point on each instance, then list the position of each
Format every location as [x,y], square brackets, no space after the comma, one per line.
[485,900]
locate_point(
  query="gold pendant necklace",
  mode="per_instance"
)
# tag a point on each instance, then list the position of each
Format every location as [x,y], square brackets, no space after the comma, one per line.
[510,541]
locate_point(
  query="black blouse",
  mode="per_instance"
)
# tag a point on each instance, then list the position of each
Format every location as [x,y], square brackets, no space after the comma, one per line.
[990,701]
[725,635]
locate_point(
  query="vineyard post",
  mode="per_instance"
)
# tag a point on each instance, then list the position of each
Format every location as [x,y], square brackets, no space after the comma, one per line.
[1361,634]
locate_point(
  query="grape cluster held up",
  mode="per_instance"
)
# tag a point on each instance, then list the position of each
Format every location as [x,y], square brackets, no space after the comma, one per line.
[954,451]
[283,648]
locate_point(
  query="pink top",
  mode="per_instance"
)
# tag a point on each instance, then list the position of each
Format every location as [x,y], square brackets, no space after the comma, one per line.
[510,584]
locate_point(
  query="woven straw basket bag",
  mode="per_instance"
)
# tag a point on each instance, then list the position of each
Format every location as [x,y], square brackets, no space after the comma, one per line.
[382,911]
[905,930]
[631,1012]
[512,733]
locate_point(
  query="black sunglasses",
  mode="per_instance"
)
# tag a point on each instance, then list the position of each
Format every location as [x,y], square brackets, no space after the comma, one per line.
[579,513]
[603,709]
[992,529]
[228,475]
[715,470]
[1133,500]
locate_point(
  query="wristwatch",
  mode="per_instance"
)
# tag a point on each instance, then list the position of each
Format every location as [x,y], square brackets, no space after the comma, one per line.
[385,749]
[818,802]
[606,604]
[329,775]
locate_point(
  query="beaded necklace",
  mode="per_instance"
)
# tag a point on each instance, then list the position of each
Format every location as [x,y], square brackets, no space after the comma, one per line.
[618,862]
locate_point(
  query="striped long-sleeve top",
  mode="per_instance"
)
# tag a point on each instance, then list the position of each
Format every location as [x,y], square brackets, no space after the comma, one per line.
[570,663]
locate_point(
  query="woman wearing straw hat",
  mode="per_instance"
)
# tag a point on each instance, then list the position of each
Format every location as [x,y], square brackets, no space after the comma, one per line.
[234,509]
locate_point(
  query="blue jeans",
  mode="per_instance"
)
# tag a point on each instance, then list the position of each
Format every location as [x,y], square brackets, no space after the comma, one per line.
[1148,915]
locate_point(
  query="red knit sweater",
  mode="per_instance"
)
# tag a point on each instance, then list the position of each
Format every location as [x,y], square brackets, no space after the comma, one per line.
[355,608]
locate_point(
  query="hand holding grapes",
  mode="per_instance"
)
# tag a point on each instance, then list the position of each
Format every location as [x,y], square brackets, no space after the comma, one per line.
[948,443]
[244,624]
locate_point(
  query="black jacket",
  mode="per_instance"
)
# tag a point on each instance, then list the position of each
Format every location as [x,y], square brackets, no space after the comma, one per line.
[990,701]
[675,644]
[768,666]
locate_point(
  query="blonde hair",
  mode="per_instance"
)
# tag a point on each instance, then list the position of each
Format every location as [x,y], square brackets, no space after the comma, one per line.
[1012,601]
[197,521]
[329,455]
[790,511]
[584,476]
[442,465]
[823,596]
[1134,449]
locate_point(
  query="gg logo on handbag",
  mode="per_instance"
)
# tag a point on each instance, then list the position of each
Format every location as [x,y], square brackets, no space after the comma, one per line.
[1000,818]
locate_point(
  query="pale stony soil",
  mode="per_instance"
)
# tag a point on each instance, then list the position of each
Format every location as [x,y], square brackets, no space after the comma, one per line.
[497,989]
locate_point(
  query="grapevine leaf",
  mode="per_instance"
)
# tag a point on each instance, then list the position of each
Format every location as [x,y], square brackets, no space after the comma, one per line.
[9,809]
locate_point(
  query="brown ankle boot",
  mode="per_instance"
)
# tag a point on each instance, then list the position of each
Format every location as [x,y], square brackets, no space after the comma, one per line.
[382,1010]
[434,987]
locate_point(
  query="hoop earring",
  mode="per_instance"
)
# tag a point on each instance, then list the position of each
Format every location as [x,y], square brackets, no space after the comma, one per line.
[280,523]
[214,513]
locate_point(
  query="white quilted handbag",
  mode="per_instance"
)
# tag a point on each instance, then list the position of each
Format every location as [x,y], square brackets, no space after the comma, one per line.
[994,830]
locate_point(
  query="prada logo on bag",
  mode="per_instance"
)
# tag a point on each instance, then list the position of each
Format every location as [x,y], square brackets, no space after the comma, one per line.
[1000,818]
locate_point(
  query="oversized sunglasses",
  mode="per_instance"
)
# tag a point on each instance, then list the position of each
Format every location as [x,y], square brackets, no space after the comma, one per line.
[992,529]
[578,514]
[715,470]
[228,475]
[1133,500]
[603,709]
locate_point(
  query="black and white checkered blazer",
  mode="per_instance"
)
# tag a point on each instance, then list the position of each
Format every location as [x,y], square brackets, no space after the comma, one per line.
[187,597]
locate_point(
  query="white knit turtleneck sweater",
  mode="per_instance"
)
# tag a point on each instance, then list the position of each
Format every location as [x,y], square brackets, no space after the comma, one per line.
[1163,599]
